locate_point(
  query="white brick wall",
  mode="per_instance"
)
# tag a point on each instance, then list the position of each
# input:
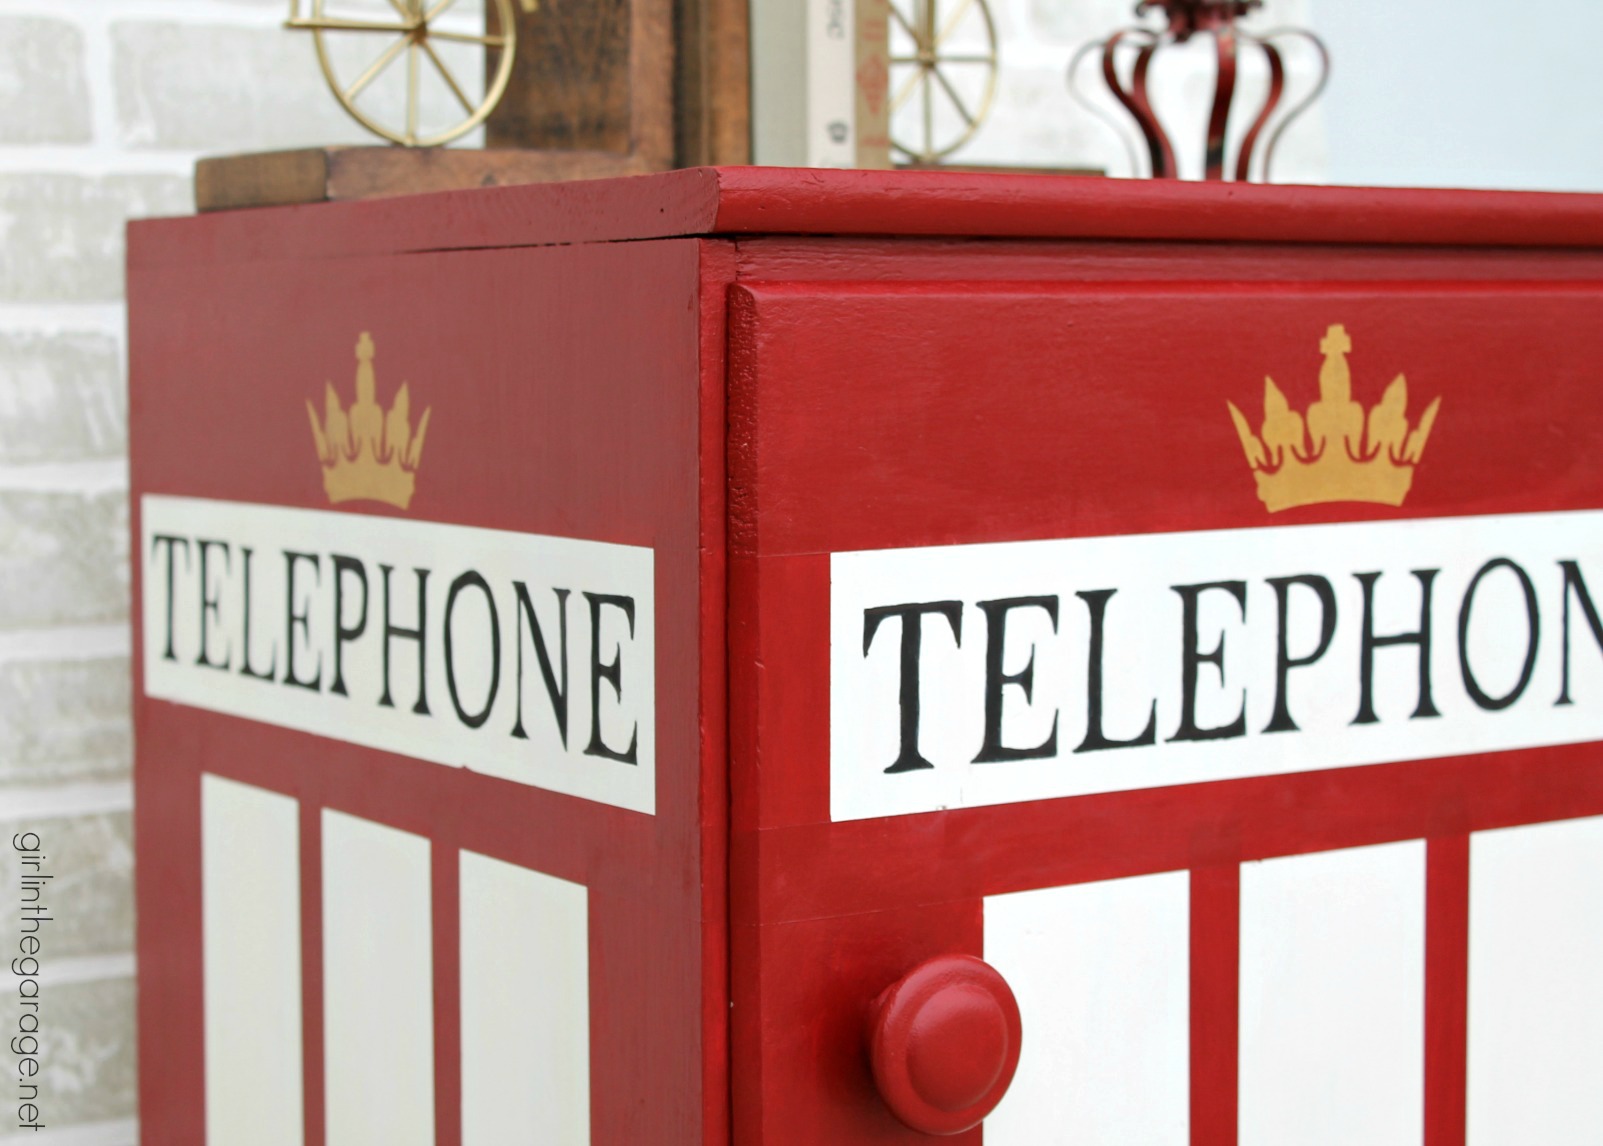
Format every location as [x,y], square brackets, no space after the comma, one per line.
[104,107]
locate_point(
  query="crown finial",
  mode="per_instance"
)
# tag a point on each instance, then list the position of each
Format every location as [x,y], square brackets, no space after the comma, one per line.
[1335,376]
[361,411]
[1336,341]
[1188,16]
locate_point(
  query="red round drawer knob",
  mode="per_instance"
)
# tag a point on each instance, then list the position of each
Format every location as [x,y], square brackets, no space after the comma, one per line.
[944,1041]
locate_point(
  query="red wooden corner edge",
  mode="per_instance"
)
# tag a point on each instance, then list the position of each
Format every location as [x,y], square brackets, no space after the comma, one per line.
[755,200]
[670,204]
[793,201]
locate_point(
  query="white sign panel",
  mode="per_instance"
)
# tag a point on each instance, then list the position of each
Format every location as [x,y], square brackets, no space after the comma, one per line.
[989,674]
[517,655]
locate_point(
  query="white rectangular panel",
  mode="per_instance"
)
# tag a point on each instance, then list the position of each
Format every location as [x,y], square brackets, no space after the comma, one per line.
[251,944]
[378,984]
[536,661]
[525,1007]
[1023,724]
[1102,975]
[1536,985]
[1333,998]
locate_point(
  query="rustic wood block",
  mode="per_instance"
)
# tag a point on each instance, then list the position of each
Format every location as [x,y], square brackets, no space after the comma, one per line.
[265,179]
[591,75]
[570,82]
[319,174]
[712,112]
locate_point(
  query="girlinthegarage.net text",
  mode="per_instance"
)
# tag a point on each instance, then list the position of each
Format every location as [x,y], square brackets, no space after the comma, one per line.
[33,914]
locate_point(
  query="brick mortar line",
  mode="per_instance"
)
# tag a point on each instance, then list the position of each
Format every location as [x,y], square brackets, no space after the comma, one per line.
[116,1132]
[100,77]
[92,161]
[66,643]
[85,968]
[65,801]
[204,13]
[91,477]
[51,318]
[114,766]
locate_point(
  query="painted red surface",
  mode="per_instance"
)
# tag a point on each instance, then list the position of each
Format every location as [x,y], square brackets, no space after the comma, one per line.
[710,364]
[1215,1002]
[757,201]
[549,431]
[1447,987]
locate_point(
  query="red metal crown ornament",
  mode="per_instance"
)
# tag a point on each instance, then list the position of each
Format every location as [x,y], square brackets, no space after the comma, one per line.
[1216,18]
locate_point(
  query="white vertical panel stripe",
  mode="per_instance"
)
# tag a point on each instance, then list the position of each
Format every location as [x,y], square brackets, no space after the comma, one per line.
[1102,976]
[251,944]
[525,1007]
[378,1004]
[1536,985]
[1333,998]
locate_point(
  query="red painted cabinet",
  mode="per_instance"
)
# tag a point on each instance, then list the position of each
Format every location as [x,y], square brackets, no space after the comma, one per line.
[799,657]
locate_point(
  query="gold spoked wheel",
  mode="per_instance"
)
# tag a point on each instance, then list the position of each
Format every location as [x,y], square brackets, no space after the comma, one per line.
[943,75]
[416,35]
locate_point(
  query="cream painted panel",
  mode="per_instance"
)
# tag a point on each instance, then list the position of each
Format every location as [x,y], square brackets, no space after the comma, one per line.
[251,944]
[378,984]
[1536,985]
[1333,998]
[1102,976]
[525,1007]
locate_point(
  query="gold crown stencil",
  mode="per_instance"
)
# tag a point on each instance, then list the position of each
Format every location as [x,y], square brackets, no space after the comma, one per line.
[368,454]
[1337,452]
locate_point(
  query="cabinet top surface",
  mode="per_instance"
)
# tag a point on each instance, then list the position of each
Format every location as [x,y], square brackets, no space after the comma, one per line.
[736,201]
